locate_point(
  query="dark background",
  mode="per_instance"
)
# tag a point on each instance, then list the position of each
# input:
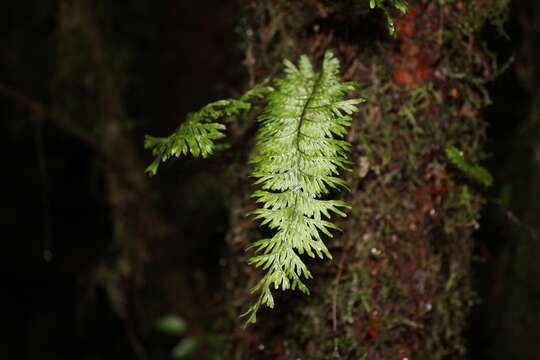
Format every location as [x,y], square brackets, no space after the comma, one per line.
[177,56]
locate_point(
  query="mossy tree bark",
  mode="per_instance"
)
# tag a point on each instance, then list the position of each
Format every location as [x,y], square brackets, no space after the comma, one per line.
[399,286]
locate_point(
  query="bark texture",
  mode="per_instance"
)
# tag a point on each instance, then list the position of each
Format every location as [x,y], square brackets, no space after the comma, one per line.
[399,286]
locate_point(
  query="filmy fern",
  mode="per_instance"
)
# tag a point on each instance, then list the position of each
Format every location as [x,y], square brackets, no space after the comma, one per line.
[477,172]
[400,5]
[197,135]
[298,161]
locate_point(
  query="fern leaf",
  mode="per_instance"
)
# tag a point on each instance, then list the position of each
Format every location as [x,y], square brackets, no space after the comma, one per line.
[200,131]
[400,5]
[477,172]
[191,137]
[298,160]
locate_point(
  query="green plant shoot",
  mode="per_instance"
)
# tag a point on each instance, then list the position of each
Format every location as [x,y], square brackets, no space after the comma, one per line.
[478,173]
[298,161]
[299,157]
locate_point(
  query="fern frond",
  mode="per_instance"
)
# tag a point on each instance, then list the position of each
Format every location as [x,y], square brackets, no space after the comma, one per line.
[475,171]
[299,157]
[298,160]
[191,137]
[400,5]
[200,131]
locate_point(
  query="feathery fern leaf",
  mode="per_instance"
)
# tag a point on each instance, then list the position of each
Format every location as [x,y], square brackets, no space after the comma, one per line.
[477,172]
[200,131]
[193,137]
[298,161]
[400,5]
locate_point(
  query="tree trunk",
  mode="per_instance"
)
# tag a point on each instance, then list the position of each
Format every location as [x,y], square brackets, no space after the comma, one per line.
[399,286]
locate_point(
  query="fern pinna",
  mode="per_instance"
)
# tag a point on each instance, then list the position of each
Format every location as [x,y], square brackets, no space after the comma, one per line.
[298,160]
[197,135]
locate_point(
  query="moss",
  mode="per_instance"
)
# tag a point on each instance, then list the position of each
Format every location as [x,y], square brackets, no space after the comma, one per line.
[472,16]
[399,285]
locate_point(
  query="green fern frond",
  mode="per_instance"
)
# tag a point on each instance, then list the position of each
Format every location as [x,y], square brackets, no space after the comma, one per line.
[477,172]
[400,5]
[298,160]
[258,93]
[299,157]
[190,137]
[200,131]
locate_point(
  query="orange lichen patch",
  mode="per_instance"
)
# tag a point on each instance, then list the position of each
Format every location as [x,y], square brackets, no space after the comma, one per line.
[406,25]
[411,71]
[373,328]
[450,90]
[412,68]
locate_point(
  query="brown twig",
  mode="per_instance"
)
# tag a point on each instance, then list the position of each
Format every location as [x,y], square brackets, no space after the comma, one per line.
[60,119]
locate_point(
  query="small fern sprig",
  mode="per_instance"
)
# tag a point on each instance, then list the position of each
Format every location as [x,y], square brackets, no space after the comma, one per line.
[477,172]
[197,135]
[401,5]
[298,161]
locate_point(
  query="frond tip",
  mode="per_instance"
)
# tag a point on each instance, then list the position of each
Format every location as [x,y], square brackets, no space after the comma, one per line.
[200,131]
[298,160]
[190,137]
